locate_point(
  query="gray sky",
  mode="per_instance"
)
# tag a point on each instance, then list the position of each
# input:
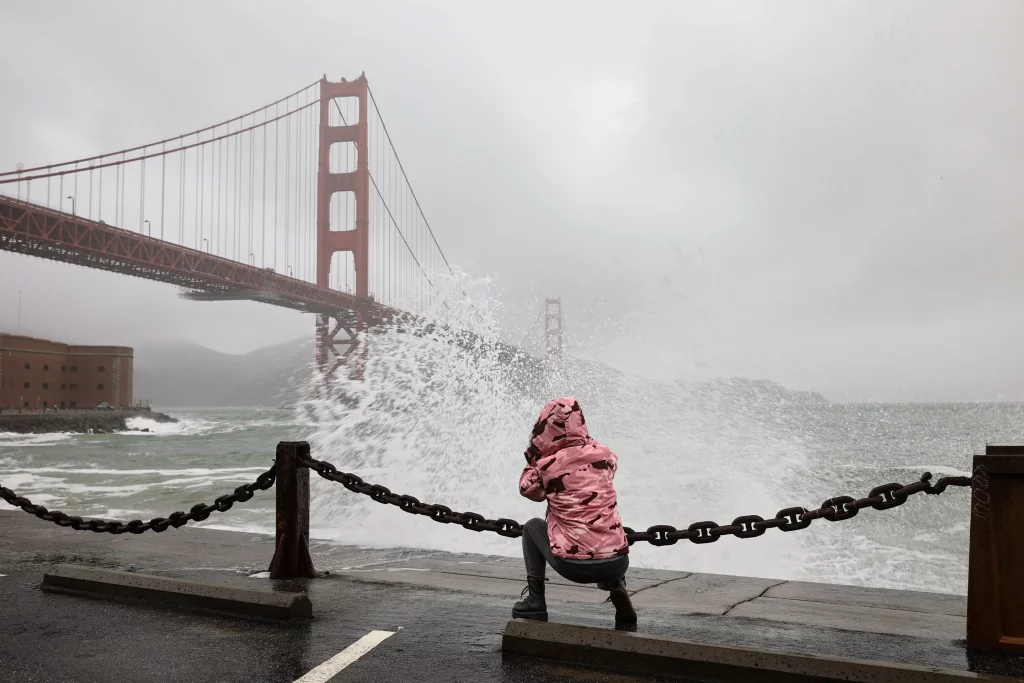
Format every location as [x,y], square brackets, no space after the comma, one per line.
[822,193]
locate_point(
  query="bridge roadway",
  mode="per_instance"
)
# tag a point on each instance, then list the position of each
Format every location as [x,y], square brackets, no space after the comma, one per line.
[36,230]
[446,611]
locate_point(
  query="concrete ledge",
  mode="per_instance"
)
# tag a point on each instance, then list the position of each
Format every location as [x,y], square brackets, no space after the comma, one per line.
[107,583]
[649,654]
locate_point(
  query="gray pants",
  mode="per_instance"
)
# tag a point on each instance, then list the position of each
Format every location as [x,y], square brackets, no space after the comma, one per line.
[537,553]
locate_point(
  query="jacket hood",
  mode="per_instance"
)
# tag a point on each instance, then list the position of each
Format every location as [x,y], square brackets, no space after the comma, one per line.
[559,425]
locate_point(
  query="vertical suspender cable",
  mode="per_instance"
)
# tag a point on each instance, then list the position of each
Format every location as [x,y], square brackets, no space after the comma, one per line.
[252,170]
[201,189]
[263,197]
[198,225]
[287,184]
[181,198]
[142,200]
[277,161]
[215,162]
[163,168]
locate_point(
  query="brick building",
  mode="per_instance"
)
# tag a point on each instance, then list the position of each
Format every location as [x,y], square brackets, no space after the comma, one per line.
[36,373]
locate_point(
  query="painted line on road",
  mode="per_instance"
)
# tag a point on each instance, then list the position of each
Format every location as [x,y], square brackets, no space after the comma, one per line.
[328,669]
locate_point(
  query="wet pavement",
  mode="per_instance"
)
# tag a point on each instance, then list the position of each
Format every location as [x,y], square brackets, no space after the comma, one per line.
[447,613]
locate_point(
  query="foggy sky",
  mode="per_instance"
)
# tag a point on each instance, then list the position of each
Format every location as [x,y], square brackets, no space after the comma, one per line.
[826,194]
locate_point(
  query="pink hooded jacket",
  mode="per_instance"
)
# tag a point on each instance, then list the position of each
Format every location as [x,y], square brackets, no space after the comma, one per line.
[574,473]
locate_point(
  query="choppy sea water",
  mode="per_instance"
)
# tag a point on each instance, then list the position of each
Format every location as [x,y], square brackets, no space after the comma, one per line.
[686,454]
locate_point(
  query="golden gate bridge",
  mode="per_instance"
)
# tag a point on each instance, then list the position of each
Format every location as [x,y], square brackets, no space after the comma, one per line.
[303,203]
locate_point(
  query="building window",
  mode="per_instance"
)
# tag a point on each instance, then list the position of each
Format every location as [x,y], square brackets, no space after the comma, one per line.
[74,405]
[27,385]
[28,366]
[101,369]
[74,368]
[74,386]
[46,368]
[63,368]
[99,387]
[63,386]
[46,385]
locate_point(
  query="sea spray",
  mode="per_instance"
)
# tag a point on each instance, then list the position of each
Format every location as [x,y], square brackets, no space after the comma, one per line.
[448,424]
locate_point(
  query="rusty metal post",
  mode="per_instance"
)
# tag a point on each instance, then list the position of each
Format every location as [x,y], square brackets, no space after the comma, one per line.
[995,597]
[291,555]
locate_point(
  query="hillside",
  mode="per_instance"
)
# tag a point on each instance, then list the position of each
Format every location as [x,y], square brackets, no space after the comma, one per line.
[185,374]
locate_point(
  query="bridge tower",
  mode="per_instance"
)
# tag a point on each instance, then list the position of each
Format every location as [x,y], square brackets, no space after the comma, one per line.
[553,327]
[336,335]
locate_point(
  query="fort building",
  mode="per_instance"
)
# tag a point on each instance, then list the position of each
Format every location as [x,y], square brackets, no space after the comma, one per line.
[37,374]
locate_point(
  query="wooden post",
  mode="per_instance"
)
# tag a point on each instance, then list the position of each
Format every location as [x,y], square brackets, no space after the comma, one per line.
[995,594]
[291,555]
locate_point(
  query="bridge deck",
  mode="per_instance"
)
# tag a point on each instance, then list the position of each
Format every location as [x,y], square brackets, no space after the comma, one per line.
[35,230]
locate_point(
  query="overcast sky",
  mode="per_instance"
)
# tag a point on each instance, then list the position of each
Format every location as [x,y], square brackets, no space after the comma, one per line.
[827,194]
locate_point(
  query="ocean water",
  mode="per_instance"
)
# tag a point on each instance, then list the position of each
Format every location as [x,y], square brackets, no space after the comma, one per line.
[686,454]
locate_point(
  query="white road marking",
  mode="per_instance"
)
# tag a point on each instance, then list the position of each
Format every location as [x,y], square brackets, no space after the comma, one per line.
[2,575]
[325,671]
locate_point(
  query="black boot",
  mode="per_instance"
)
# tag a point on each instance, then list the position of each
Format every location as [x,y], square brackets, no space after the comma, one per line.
[624,613]
[533,605]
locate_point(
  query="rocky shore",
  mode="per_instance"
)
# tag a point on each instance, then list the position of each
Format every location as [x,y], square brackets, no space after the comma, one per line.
[83,422]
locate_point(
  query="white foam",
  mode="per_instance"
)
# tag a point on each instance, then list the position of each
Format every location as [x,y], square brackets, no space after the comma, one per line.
[183,427]
[936,470]
[265,529]
[117,513]
[450,427]
[186,472]
[12,440]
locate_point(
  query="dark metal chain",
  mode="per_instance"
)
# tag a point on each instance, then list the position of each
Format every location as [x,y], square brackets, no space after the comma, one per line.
[439,513]
[748,526]
[176,519]
[835,509]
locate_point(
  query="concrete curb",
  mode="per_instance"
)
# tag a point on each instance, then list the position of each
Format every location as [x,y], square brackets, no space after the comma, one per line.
[107,583]
[650,654]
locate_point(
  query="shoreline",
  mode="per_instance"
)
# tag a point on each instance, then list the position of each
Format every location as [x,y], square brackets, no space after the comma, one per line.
[81,422]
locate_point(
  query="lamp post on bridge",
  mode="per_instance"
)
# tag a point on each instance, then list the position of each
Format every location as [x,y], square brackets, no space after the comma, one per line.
[252,259]
[206,245]
[72,204]
[149,228]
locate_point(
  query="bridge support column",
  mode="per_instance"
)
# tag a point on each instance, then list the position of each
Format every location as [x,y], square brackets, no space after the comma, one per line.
[291,554]
[356,181]
[337,337]
[553,327]
[337,345]
[995,596]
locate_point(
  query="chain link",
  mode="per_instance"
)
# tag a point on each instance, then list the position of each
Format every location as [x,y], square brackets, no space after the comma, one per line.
[748,526]
[834,509]
[176,519]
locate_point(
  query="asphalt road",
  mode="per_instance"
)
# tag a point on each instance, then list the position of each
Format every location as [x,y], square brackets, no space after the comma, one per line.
[446,630]
[438,636]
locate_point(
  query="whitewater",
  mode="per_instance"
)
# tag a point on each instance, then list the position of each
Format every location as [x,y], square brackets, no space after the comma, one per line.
[448,424]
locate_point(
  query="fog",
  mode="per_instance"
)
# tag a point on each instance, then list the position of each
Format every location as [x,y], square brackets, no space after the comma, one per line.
[825,194]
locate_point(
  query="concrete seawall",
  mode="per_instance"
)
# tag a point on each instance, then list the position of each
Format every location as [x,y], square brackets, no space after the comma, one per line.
[82,422]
